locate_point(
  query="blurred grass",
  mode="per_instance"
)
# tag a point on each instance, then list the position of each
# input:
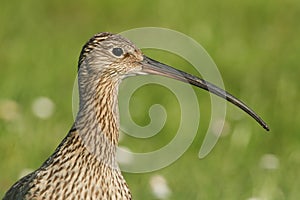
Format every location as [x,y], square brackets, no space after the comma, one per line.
[254,43]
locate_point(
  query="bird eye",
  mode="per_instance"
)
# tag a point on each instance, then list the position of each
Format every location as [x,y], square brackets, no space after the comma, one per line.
[117,51]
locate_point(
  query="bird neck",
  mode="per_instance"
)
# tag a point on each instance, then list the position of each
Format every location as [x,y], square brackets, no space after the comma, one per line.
[97,121]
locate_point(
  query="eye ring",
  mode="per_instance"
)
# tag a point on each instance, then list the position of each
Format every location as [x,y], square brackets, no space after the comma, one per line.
[117,51]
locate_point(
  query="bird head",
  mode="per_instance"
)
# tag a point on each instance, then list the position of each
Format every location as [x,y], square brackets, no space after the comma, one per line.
[112,55]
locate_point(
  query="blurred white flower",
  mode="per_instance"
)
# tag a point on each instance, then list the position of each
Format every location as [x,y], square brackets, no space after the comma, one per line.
[269,161]
[43,107]
[159,187]
[9,110]
[124,155]
[254,198]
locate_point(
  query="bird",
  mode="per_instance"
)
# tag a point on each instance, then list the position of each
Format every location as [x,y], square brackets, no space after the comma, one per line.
[84,164]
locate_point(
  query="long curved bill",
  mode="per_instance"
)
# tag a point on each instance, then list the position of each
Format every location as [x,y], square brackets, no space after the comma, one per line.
[150,66]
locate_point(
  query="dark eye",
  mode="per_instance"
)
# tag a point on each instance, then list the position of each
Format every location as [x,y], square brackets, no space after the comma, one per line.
[117,51]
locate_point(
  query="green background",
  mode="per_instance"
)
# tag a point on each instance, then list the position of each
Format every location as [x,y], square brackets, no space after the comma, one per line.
[255,45]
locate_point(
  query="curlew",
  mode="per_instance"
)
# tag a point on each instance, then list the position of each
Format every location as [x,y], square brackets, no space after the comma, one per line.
[84,164]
